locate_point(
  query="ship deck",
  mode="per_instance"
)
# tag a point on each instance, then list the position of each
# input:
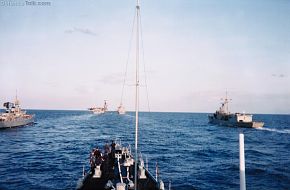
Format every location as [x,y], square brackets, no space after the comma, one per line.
[91,183]
[113,166]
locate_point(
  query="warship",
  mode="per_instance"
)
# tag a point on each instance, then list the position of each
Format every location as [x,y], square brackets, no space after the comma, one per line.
[225,118]
[14,116]
[115,166]
[99,110]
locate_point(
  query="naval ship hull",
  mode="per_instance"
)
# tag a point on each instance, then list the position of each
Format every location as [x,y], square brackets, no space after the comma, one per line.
[115,165]
[91,183]
[252,124]
[16,122]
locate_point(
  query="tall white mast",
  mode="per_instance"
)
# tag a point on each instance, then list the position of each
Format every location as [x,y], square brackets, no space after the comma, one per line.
[137,94]
[242,162]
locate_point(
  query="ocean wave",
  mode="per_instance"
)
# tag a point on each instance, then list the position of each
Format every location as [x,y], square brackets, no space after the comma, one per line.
[190,153]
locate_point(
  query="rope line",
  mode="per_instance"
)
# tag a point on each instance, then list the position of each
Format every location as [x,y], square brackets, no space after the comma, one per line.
[128,57]
[144,65]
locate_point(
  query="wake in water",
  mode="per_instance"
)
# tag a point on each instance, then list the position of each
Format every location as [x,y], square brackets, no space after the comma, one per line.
[81,117]
[283,131]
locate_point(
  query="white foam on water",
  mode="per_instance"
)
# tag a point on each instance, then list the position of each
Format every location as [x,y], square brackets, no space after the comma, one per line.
[284,131]
[80,117]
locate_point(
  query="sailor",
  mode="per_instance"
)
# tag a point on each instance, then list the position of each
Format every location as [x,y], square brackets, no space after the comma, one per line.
[113,145]
[97,152]
[92,159]
[107,149]
[92,163]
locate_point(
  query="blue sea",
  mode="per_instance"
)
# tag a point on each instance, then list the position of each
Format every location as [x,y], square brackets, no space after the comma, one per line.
[191,153]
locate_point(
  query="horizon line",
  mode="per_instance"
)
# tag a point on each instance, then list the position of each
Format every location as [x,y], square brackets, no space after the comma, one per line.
[44,109]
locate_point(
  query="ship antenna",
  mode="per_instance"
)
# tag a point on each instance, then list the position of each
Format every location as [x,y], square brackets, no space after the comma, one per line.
[226,100]
[137,93]
[16,99]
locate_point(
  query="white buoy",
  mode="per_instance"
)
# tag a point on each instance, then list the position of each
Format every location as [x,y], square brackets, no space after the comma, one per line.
[242,163]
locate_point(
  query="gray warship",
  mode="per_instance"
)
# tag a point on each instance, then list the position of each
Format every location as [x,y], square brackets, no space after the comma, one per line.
[99,110]
[116,167]
[225,118]
[14,116]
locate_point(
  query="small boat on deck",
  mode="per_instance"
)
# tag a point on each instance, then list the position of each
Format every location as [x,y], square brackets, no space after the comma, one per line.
[225,118]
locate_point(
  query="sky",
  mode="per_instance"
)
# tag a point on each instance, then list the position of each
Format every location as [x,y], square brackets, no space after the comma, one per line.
[73,54]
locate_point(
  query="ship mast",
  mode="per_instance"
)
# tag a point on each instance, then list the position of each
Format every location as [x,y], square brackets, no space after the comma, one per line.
[137,94]
[226,101]
[16,99]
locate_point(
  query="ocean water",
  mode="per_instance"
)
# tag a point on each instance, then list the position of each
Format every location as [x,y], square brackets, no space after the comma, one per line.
[191,153]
